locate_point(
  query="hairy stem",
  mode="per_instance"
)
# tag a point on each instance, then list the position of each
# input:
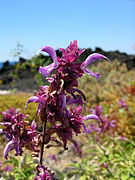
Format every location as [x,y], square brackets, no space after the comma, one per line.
[43,139]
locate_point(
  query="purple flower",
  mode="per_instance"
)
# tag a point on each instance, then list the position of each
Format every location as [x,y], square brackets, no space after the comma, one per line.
[90,116]
[8,148]
[40,98]
[106,166]
[95,128]
[7,169]
[106,124]
[44,174]
[91,58]
[53,157]
[103,122]
[123,104]
[36,99]
[69,56]
[61,103]
[45,71]
[122,138]
[97,111]
[18,132]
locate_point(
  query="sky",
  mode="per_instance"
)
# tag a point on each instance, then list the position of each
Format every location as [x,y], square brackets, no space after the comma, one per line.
[108,24]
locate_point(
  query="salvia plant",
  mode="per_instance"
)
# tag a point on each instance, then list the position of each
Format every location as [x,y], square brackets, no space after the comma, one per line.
[60,108]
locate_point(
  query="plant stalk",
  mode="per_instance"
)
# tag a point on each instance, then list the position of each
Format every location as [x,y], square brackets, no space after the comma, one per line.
[42,147]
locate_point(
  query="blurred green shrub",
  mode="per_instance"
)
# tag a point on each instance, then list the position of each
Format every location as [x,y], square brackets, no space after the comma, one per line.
[23,169]
[112,160]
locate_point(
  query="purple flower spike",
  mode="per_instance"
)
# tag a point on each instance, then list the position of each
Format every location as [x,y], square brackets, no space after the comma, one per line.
[91,58]
[45,71]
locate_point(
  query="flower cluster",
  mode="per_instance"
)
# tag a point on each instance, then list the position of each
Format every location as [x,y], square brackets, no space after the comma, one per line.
[18,132]
[61,103]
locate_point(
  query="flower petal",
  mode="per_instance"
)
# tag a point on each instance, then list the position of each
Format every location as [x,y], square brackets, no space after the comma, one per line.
[90,59]
[91,116]
[45,71]
[44,88]
[112,123]
[34,99]
[91,73]
[40,106]
[86,130]
[62,100]
[8,148]
[93,57]
[33,125]
[51,52]
[6,124]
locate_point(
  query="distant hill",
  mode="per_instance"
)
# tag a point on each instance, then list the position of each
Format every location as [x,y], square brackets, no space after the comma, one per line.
[1,64]
[24,75]
[10,62]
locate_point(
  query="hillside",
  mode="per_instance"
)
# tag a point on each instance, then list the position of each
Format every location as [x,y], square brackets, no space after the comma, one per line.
[24,75]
